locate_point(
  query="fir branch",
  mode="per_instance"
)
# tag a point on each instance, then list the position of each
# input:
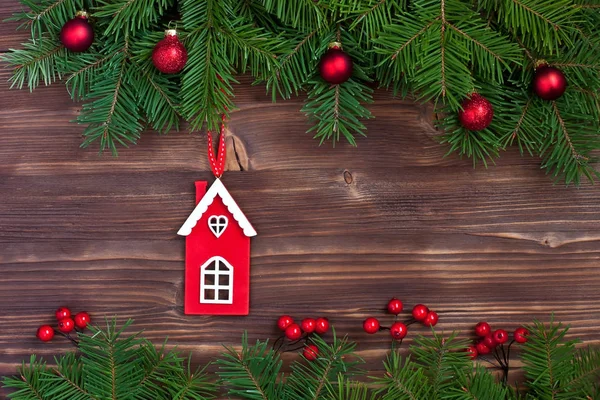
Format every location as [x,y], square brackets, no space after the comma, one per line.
[127,17]
[35,63]
[46,16]
[304,15]
[252,373]
[28,385]
[338,110]
[403,380]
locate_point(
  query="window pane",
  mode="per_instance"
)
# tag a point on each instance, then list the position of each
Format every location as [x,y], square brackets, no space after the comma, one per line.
[211,266]
[209,294]
[223,280]
[209,279]
[223,267]
[223,294]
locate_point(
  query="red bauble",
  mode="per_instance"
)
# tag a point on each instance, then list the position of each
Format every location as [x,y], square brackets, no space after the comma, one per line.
[322,326]
[477,113]
[77,34]
[45,333]
[482,348]
[549,83]
[335,66]
[521,335]
[500,336]
[482,329]
[489,341]
[431,319]
[419,312]
[311,352]
[394,306]
[169,55]
[284,321]
[62,312]
[398,330]
[66,325]
[371,325]
[293,332]
[308,325]
[82,319]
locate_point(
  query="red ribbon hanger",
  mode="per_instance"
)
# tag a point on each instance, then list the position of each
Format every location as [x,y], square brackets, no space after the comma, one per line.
[217,164]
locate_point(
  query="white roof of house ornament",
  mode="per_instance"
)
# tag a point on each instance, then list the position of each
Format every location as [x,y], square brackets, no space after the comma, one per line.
[217,188]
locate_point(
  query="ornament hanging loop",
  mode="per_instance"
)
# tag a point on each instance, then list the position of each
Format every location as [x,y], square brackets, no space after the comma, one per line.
[217,164]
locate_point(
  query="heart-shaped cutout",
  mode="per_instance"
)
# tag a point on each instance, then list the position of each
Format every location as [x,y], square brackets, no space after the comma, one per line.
[218,224]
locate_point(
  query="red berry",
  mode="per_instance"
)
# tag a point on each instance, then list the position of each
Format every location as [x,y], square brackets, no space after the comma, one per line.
[489,341]
[62,312]
[82,319]
[371,325]
[66,325]
[419,312]
[472,352]
[311,352]
[500,336]
[482,329]
[482,348]
[431,319]
[521,335]
[322,326]
[45,333]
[394,306]
[284,321]
[398,330]
[293,332]
[308,325]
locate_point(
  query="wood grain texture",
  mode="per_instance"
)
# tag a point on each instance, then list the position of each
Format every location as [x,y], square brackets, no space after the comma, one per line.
[340,230]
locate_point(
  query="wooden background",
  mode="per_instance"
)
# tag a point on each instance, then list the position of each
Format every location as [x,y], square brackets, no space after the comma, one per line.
[340,231]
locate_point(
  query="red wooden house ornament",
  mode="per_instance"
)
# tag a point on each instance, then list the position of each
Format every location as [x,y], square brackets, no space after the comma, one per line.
[217,254]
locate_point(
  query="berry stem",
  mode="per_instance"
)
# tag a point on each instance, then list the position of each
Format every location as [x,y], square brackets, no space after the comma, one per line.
[410,321]
[73,341]
[278,343]
[504,355]
[491,362]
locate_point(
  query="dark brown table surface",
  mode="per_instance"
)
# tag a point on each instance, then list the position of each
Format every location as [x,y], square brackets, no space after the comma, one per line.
[340,231]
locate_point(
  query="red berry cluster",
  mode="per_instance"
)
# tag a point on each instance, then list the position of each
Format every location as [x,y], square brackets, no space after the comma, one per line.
[307,327]
[399,330]
[66,324]
[492,342]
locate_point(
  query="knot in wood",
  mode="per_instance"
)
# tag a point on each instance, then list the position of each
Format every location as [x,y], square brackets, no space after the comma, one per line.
[348,177]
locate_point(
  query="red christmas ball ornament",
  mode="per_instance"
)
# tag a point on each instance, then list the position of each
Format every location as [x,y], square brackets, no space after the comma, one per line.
[500,336]
[45,333]
[549,83]
[311,352]
[284,321]
[395,306]
[293,332]
[489,341]
[482,348]
[431,319]
[482,329]
[335,66]
[398,330]
[77,34]
[66,325]
[521,335]
[371,325]
[472,352]
[62,312]
[82,319]
[322,326]
[419,312]
[308,325]
[169,55]
[477,113]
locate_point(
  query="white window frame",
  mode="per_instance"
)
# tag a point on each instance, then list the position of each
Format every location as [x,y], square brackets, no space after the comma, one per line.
[214,224]
[218,271]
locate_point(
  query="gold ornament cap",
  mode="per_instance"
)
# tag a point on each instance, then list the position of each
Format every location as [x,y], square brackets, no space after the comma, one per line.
[82,14]
[171,32]
[334,45]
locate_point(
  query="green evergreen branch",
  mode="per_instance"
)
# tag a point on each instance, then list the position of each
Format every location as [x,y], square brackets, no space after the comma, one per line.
[34,63]
[338,110]
[127,17]
[46,16]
